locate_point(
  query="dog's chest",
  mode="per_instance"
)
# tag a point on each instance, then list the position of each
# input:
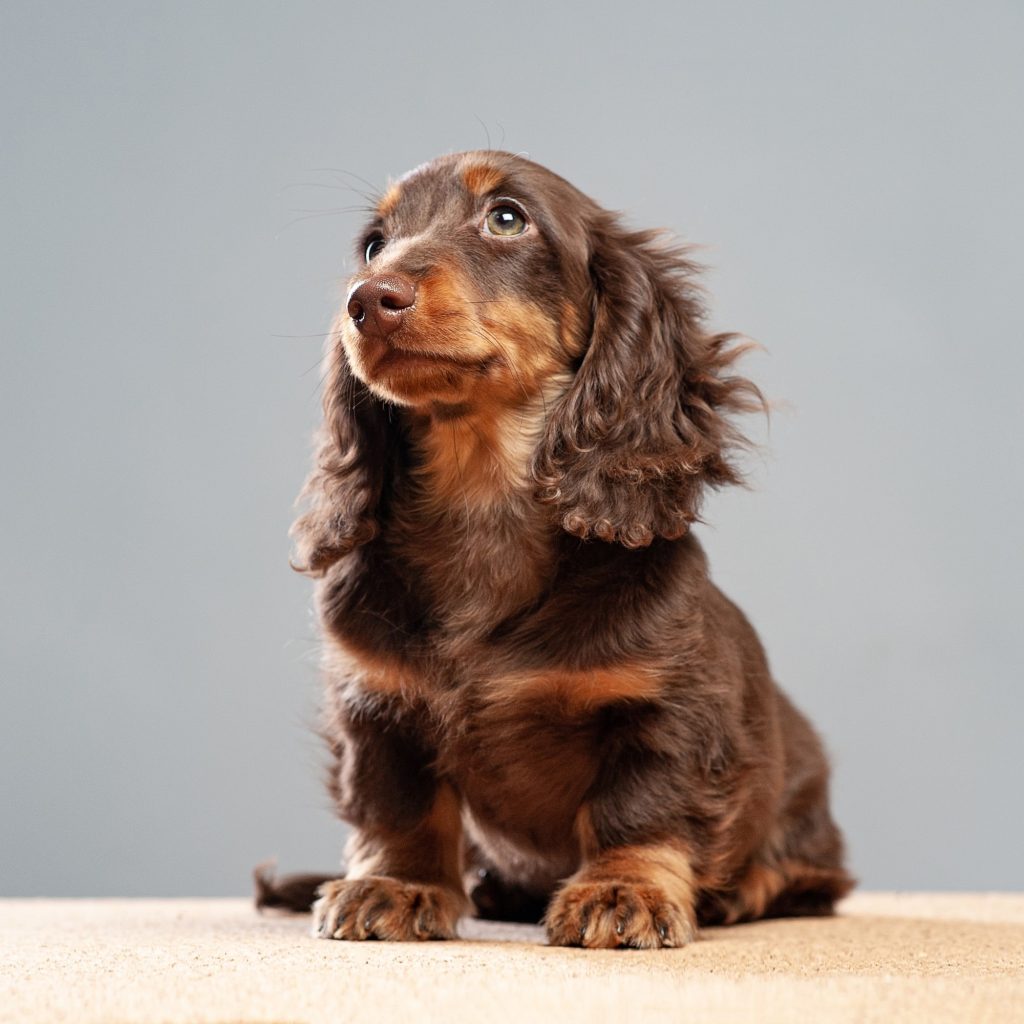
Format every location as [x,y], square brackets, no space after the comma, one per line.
[474,567]
[523,769]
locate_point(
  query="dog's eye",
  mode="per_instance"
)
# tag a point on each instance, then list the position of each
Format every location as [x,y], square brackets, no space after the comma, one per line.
[373,247]
[505,220]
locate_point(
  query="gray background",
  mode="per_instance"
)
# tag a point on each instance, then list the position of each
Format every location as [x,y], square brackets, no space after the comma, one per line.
[855,171]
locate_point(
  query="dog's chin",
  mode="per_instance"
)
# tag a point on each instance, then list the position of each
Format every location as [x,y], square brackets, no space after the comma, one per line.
[413,377]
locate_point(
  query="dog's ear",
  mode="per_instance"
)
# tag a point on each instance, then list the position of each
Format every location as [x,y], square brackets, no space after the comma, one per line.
[643,428]
[355,448]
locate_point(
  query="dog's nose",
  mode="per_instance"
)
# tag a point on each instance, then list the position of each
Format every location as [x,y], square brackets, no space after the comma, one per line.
[379,304]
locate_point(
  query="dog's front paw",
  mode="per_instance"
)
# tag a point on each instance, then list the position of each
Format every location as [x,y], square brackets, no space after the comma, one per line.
[376,907]
[612,915]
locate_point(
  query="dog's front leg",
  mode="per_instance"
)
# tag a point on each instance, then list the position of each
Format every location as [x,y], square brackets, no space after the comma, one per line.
[404,876]
[400,885]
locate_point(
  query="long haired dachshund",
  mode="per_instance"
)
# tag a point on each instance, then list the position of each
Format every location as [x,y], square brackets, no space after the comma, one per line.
[538,705]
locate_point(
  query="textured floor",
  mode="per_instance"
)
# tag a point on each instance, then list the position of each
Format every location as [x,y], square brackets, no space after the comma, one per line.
[887,957]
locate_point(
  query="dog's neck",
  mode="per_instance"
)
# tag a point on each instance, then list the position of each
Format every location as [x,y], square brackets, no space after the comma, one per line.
[478,457]
[470,523]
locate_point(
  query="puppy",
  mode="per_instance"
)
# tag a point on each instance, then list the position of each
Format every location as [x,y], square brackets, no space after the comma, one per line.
[537,702]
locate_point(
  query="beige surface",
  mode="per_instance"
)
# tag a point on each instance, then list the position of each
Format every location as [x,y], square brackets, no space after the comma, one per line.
[886,958]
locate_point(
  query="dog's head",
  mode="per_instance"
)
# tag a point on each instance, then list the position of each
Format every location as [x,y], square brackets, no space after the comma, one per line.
[486,281]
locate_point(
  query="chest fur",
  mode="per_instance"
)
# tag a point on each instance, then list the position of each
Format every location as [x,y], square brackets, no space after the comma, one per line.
[475,567]
[523,772]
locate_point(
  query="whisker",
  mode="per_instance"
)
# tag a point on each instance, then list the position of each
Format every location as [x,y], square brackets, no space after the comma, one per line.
[323,379]
[487,133]
[373,196]
[501,348]
[333,209]
[317,184]
[508,361]
[314,366]
[322,334]
[350,394]
[458,466]
[312,216]
[480,437]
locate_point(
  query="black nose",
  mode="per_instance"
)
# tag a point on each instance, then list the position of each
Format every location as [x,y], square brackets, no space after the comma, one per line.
[378,305]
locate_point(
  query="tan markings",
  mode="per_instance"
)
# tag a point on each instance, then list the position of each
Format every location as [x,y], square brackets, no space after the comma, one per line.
[571,330]
[528,336]
[724,858]
[754,891]
[481,178]
[666,863]
[446,317]
[430,851]
[389,201]
[371,671]
[391,677]
[811,876]
[752,895]
[634,896]
[580,690]
[583,830]
[800,877]
[480,457]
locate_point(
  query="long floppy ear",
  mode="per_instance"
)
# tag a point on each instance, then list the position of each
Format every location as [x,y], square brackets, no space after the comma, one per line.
[643,428]
[355,445]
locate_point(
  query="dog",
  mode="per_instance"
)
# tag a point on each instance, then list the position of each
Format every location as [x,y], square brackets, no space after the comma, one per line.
[538,705]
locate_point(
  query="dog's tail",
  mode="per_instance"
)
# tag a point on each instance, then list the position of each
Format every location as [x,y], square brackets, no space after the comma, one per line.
[294,893]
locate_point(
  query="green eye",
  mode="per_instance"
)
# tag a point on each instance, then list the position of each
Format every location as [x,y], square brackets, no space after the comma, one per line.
[505,220]
[373,246]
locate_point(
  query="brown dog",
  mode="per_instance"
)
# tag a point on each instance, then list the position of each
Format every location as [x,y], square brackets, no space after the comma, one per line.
[534,691]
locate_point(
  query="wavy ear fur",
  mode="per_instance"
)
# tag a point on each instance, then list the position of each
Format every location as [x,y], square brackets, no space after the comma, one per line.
[629,449]
[343,493]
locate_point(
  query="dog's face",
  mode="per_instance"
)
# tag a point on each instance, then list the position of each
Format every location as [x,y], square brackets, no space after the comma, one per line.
[487,284]
[474,288]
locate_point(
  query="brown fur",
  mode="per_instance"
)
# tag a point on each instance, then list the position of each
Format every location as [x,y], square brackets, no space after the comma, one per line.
[531,680]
